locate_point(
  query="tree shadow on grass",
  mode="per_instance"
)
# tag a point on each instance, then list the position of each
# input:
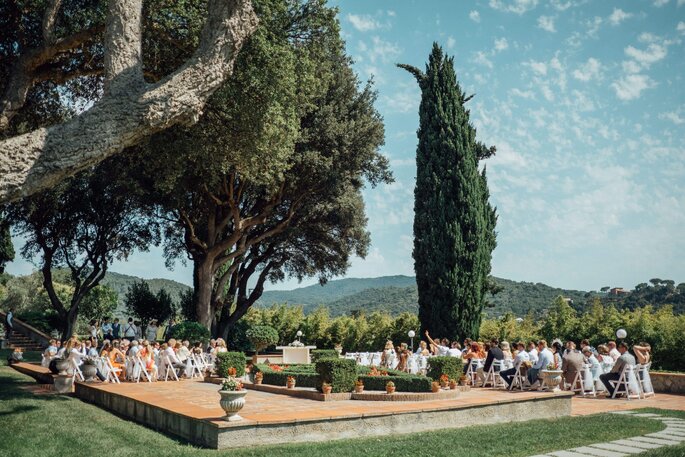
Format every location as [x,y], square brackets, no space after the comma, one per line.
[18,410]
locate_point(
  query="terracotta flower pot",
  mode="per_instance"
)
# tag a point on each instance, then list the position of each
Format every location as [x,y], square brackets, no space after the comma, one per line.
[290,385]
[453,385]
[327,389]
[435,387]
[390,390]
[358,389]
[444,384]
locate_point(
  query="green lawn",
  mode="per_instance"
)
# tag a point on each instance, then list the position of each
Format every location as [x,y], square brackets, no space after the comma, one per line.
[50,425]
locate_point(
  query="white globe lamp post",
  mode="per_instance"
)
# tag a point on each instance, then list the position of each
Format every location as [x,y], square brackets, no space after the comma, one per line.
[411,335]
[621,333]
[299,335]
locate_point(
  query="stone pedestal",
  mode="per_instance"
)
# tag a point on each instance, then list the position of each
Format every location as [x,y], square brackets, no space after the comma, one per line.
[295,354]
[64,384]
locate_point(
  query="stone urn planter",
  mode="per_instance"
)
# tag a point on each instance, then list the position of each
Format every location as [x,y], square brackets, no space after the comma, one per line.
[62,365]
[552,379]
[89,371]
[232,401]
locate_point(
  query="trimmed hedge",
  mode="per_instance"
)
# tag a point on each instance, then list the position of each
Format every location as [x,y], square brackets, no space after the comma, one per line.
[339,373]
[226,360]
[451,366]
[279,378]
[318,354]
[402,383]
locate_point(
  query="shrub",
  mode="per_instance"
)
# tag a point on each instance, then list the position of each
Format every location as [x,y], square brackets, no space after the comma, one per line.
[318,354]
[407,383]
[191,331]
[451,366]
[262,336]
[279,378]
[340,373]
[226,360]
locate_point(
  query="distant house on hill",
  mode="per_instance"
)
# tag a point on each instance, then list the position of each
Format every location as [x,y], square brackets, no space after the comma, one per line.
[618,291]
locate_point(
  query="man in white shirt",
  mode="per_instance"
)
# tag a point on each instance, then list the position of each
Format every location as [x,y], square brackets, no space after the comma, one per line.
[532,352]
[134,348]
[440,346]
[454,351]
[545,357]
[613,352]
[175,362]
[130,329]
[521,356]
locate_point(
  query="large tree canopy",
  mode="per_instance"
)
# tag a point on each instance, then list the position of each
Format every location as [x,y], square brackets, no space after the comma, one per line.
[83,224]
[278,158]
[454,223]
[73,43]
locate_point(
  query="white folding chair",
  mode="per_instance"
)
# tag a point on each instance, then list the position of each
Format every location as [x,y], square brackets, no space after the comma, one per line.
[493,378]
[472,371]
[169,368]
[192,368]
[423,364]
[583,383]
[622,385]
[140,368]
[645,381]
[519,380]
[77,371]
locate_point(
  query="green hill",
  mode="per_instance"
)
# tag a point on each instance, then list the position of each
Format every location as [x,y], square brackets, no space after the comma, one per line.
[120,283]
[396,294]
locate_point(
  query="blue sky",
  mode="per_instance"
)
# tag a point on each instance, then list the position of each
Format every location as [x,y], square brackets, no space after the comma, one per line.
[585,102]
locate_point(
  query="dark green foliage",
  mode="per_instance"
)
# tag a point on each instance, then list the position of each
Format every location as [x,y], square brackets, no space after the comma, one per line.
[186,305]
[146,306]
[191,331]
[262,336]
[121,283]
[99,302]
[339,373]
[402,383]
[226,360]
[318,354]
[453,221]
[237,338]
[6,246]
[451,366]
[279,378]
[45,321]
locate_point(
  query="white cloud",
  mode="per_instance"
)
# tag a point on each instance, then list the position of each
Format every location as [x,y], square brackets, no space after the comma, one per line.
[380,50]
[391,13]
[474,16]
[660,3]
[593,26]
[501,44]
[363,22]
[546,23]
[630,66]
[513,6]
[451,42]
[619,16]
[482,59]
[538,67]
[404,100]
[522,93]
[563,6]
[506,156]
[630,87]
[646,37]
[673,116]
[589,70]
[654,53]
[681,25]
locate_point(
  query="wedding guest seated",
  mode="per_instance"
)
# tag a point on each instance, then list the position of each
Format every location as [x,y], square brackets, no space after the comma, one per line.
[476,353]
[183,351]
[613,352]
[604,357]
[642,353]
[175,362]
[504,345]
[625,358]
[545,358]
[455,350]
[220,346]
[197,349]
[117,358]
[76,355]
[49,353]
[521,357]
[590,359]
[572,363]
[15,356]
[557,352]
[494,353]
[586,343]
[134,349]
[422,349]
[439,347]
[147,355]
[532,351]
[211,346]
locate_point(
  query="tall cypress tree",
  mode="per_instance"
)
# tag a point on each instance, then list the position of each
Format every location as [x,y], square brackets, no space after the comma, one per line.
[454,223]
[6,247]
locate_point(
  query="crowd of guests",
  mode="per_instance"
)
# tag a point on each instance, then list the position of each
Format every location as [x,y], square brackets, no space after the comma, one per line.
[529,358]
[152,353]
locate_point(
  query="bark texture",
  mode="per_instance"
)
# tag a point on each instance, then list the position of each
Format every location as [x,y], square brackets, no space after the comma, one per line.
[130,109]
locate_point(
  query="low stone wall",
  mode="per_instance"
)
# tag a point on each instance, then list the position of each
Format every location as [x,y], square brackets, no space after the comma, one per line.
[668,383]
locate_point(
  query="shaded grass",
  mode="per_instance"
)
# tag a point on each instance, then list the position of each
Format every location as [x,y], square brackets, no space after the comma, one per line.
[51,425]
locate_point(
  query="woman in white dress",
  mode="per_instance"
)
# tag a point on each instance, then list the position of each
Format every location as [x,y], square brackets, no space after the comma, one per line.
[388,355]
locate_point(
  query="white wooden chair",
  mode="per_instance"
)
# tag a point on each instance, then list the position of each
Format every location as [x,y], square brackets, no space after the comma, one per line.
[76,371]
[622,385]
[140,369]
[192,367]
[493,378]
[471,372]
[583,383]
[169,368]
[520,380]
[111,373]
[644,380]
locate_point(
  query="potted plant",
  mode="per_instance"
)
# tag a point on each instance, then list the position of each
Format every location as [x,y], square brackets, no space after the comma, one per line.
[326,388]
[358,386]
[551,376]
[444,380]
[232,398]
[290,382]
[89,369]
[435,386]
[463,380]
[390,387]
[258,377]
[261,337]
[232,372]
[453,384]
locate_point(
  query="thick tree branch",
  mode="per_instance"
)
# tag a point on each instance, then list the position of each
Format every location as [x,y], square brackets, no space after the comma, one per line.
[49,19]
[123,41]
[37,160]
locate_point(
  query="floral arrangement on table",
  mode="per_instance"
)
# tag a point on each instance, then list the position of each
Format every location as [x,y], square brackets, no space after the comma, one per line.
[231,384]
[296,344]
[552,366]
